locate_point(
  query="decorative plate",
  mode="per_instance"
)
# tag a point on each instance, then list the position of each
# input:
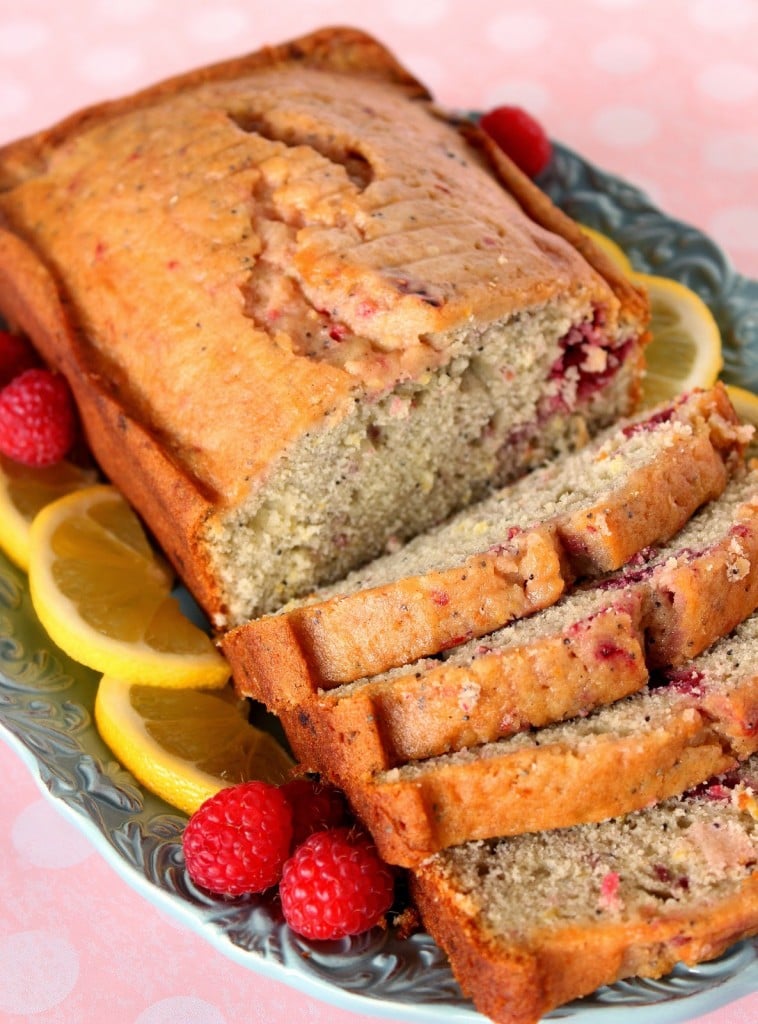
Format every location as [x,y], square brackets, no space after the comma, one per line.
[46,704]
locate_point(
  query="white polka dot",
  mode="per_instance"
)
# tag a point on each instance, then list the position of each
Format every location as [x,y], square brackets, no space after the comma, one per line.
[737,227]
[125,11]
[731,83]
[19,38]
[613,4]
[518,31]
[625,126]
[427,69]
[46,840]
[652,190]
[520,92]
[734,152]
[109,64]
[187,1009]
[418,12]
[38,969]
[14,98]
[622,54]
[217,24]
[723,15]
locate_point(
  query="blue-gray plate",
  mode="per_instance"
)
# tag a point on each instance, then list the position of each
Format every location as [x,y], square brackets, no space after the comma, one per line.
[46,704]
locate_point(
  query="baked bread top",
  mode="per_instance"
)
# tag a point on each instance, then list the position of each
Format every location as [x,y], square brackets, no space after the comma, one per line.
[284,235]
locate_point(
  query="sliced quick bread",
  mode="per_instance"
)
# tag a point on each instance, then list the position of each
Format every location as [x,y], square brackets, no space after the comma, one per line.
[651,745]
[535,921]
[504,558]
[586,650]
[594,646]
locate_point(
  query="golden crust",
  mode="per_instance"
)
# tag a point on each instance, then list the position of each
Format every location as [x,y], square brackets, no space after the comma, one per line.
[342,49]
[696,601]
[543,211]
[175,502]
[359,635]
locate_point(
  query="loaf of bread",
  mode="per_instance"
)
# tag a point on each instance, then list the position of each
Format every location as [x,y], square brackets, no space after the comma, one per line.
[303,315]
[503,558]
[655,744]
[535,921]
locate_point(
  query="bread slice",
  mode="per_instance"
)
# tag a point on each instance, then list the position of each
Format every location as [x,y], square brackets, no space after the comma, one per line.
[646,747]
[650,746]
[532,922]
[585,651]
[504,558]
[302,314]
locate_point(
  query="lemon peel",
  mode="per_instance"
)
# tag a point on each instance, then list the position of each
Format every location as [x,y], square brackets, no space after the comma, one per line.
[611,249]
[745,403]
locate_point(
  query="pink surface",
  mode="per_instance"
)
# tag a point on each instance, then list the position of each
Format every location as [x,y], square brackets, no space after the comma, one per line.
[662,93]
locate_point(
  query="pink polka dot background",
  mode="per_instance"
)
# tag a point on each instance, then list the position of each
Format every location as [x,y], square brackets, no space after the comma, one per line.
[662,92]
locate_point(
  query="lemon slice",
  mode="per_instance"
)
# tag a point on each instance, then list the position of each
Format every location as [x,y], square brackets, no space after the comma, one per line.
[185,745]
[611,249]
[103,595]
[745,403]
[24,491]
[686,348]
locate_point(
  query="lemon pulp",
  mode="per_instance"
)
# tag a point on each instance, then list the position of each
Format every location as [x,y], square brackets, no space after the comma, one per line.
[103,595]
[24,490]
[185,745]
[686,348]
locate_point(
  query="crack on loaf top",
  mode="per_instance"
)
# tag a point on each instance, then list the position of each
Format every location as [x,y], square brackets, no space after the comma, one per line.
[357,167]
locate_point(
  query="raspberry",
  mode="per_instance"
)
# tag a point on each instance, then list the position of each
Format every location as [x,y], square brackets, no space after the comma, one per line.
[316,806]
[335,885]
[520,137]
[37,420]
[238,840]
[16,355]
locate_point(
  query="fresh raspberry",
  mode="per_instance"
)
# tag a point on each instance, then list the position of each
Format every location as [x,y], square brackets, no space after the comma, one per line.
[238,840]
[37,420]
[335,885]
[16,355]
[520,137]
[316,806]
